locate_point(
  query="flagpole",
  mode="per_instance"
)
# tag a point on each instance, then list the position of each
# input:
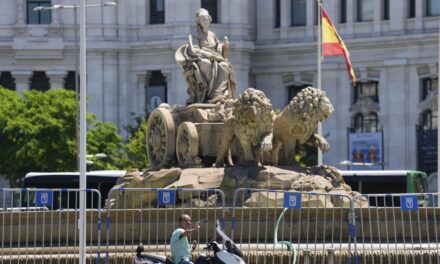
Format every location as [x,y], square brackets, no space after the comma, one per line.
[319,44]
[438,118]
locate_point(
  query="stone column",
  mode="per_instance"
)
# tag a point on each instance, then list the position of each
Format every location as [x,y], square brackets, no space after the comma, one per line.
[351,17]
[21,12]
[285,21]
[377,17]
[22,80]
[398,15]
[420,10]
[310,19]
[124,93]
[168,74]
[142,83]
[56,79]
[109,14]
[110,80]
[95,89]
[55,13]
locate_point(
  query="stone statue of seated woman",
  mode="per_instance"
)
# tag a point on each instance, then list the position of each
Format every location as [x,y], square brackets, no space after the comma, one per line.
[208,73]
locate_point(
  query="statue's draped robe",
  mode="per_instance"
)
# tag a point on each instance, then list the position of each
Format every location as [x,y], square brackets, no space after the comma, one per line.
[213,71]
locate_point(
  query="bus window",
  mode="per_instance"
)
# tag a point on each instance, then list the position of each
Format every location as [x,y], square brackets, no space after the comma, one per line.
[386,182]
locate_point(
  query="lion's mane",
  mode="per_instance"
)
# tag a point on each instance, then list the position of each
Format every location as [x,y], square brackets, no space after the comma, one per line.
[298,121]
[251,120]
[253,112]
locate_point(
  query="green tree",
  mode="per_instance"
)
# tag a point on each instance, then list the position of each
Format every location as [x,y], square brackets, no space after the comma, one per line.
[135,150]
[38,133]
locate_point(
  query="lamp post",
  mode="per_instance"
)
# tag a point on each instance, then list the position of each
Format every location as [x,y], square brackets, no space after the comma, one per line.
[75,23]
[82,114]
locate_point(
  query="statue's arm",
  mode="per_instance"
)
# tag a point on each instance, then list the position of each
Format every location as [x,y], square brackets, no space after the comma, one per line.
[225,47]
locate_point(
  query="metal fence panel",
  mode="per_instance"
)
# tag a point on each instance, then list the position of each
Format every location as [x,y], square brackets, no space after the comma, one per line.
[150,215]
[41,225]
[398,228]
[308,227]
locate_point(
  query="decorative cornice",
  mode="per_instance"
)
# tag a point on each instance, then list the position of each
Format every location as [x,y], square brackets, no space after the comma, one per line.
[365,105]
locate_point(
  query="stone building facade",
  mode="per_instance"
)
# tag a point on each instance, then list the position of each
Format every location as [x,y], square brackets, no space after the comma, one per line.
[131,67]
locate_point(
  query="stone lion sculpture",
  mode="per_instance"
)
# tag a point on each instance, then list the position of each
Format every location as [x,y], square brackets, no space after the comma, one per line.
[251,122]
[297,123]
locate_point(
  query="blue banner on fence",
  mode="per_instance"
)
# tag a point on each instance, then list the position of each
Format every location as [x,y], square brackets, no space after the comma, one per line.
[409,202]
[292,200]
[166,197]
[44,198]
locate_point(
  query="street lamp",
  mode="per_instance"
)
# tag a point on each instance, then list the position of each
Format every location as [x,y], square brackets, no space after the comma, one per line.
[83,120]
[74,7]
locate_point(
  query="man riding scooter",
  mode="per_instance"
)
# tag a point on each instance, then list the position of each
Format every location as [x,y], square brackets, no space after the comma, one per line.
[180,249]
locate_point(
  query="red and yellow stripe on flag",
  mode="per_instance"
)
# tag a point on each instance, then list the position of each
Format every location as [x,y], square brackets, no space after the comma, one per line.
[332,44]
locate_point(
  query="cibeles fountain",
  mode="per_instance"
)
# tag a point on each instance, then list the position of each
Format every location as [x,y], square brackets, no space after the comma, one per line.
[228,141]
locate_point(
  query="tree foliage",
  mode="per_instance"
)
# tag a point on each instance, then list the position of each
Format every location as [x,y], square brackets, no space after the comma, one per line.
[38,133]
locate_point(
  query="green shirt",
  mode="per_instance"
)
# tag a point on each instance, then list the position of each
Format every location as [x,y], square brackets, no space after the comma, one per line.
[179,246]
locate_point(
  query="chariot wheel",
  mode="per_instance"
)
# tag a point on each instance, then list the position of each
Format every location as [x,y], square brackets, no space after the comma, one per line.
[161,134]
[187,144]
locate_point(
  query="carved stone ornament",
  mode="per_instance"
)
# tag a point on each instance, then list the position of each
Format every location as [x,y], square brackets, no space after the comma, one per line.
[365,105]
[430,102]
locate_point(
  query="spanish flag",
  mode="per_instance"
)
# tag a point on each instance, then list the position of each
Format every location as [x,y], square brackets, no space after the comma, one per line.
[332,44]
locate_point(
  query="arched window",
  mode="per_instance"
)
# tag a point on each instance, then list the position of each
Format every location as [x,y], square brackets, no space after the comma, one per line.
[211,6]
[39,81]
[7,81]
[156,91]
[429,120]
[69,81]
[365,123]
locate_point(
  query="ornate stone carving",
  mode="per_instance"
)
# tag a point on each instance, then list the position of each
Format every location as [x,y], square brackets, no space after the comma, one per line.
[207,71]
[297,123]
[430,102]
[251,123]
[365,105]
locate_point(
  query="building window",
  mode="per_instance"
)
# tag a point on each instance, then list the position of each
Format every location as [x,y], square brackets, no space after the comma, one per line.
[429,120]
[156,91]
[365,90]
[40,17]
[7,81]
[365,123]
[157,11]
[298,14]
[433,8]
[343,11]
[39,81]
[386,10]
[277,13]
[211,6]
[411,11]
[365,10]
[293,90]
[69,81]
[429,85]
